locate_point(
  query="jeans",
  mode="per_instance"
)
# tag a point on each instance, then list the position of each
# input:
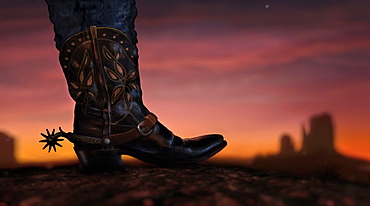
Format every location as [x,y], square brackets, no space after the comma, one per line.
[73,16]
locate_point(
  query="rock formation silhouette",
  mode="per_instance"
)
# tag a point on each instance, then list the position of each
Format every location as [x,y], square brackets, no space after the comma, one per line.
[317,156]
[7,151]
[286,147]
[320,139]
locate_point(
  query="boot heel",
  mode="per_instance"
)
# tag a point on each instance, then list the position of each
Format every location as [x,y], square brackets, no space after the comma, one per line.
[97,160]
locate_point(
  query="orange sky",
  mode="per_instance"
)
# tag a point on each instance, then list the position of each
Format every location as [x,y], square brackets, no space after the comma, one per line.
[233,67]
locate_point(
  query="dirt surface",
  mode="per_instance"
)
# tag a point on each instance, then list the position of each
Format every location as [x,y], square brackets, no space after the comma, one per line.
[193,185]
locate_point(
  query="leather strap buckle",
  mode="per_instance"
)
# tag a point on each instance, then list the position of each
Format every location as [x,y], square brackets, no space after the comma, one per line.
[142,130]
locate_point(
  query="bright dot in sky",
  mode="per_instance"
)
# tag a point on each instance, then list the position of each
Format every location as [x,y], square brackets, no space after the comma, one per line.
[267,6]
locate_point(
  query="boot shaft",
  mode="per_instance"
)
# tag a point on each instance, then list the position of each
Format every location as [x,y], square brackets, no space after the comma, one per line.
[101,69]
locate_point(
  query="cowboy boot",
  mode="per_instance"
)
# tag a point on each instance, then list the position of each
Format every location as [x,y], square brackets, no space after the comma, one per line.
[100,65]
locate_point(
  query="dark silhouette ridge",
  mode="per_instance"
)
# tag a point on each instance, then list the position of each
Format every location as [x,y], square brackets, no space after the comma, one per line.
[317,157]
[7,151]
[320,139]
[287,147]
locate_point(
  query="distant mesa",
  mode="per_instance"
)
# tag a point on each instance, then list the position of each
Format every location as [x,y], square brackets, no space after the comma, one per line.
[287,147]
[7,151]
[320,139]
[317,156]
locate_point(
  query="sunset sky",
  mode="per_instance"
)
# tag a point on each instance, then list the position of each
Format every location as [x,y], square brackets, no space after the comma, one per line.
[251,70]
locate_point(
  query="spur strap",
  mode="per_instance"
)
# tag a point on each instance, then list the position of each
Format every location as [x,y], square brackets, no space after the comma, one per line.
[144,128]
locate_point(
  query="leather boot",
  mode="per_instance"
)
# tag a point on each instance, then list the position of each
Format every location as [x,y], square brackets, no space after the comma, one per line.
[101,69]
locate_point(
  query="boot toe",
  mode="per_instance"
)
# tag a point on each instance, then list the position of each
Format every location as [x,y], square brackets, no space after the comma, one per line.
[206,146]
[205,141]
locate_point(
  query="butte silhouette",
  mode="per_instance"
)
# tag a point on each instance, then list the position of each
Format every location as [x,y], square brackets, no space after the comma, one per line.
[7,151]
[317,155]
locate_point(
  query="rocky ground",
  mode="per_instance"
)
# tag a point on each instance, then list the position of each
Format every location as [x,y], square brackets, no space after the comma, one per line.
[193,185]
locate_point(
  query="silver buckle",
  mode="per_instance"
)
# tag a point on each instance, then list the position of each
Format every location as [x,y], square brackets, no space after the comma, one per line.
[141,131]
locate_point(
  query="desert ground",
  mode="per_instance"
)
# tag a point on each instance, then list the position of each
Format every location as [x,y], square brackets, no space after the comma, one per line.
[191,185]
